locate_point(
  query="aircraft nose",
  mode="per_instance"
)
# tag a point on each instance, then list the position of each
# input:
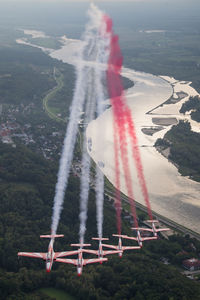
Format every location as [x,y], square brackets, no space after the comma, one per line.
[79,272]
[48,267]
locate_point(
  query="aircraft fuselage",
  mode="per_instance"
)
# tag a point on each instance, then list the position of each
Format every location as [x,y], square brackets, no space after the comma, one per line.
[80,263]
[139,238]
[154,230]
[120,247]
[50,256]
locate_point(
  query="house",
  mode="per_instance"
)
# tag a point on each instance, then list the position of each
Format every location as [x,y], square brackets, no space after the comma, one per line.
[192,264]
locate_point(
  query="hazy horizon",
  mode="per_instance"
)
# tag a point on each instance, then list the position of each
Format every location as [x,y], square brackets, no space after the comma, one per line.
[131,14]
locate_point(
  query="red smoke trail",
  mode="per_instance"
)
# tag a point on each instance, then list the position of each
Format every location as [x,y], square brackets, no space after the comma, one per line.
[117,180]
[136,156]
[117,100]
[121,130]
[123,115]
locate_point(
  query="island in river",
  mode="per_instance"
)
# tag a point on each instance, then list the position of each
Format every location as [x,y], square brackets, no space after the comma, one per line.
[171,195]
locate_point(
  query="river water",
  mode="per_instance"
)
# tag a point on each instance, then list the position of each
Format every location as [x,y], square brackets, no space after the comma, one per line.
[171,195]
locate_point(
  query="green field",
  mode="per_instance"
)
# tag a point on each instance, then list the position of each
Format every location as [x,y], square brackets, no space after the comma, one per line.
[173,53]
[56,294]
[51,95]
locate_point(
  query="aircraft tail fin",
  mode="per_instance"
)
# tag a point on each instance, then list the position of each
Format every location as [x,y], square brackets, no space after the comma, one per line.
[152,221]
[118,235]
[80,245]
[100,239]
[141,229]
[51,236]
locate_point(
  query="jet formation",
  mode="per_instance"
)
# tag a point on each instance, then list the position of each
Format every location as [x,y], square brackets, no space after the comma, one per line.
[50,256]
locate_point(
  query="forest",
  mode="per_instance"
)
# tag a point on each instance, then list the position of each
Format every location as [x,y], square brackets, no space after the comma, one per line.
[26,74]
[26,193]
[192,106]
[27,184]
[23,77]
[184,147]
[172,53]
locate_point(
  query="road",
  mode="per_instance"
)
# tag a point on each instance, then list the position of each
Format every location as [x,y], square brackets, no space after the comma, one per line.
[52,93]
[173,225]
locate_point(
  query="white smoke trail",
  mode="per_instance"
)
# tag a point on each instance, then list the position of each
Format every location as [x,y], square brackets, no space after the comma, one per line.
[69,141]
[89,76]
[90,56]
[99,175]
[86,161]
[99,200]
[96,55]
[103,54]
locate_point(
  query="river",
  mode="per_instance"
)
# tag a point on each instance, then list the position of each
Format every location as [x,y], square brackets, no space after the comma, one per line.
[171,195]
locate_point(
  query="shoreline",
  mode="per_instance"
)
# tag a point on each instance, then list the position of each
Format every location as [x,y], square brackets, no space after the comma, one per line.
[175,197]
[176,210]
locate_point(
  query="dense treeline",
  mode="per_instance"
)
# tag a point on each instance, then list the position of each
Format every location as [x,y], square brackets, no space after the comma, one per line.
[184,149]
[27,183]
[159,54]
[193,105]
[25,75]
[25,55]
[127,83]
[136,277]
[23,84]
[26,193]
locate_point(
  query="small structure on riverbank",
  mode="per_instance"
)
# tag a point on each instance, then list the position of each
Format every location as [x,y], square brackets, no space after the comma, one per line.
[192,264]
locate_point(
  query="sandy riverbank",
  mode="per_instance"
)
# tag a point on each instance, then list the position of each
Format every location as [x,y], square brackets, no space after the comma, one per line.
[171,195]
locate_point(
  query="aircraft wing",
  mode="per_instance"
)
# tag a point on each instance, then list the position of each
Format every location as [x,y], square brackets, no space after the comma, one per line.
[93,260]
[90,251]
[143,229]
[33,254]
[146,229]
[110,246]
[130,237]
[67,261]
[131,247]
[65,253]
[111,252]
[149,238]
